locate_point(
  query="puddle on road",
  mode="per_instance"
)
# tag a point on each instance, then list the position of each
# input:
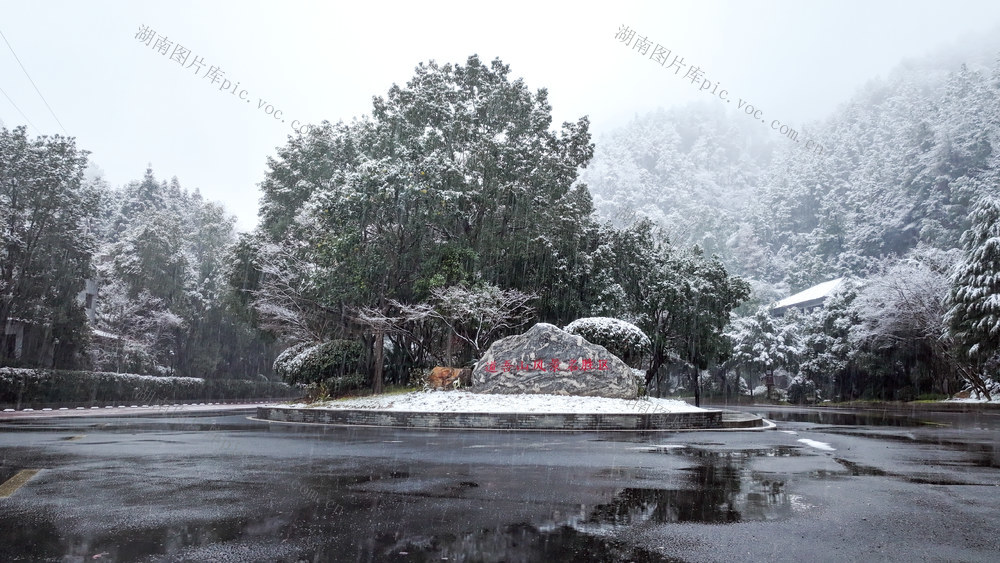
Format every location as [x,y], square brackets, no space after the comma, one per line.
[725,500]
[720,489]
[317,523]
[309,534]
[858,470]
[874,418]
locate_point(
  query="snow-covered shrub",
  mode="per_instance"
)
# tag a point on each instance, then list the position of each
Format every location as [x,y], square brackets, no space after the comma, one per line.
[336,386]
[621,338]
[801,390]
[322,362]
[777,394]
[744,386]
[288,361]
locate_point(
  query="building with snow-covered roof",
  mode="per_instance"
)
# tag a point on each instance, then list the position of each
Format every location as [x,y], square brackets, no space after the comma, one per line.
[808,299]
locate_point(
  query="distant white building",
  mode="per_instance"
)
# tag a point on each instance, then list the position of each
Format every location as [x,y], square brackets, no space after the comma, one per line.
[807,300]
[13,338]
[88,298]
[17,330]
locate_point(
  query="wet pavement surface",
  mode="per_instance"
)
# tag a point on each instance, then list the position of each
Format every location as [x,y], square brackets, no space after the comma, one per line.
[825,486]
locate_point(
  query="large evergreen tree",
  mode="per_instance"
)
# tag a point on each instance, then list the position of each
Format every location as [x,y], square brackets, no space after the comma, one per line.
[763,344]
[974,316]
[456,178]
[46,243]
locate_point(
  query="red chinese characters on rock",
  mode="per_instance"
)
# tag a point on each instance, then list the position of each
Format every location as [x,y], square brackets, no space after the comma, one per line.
[553,365]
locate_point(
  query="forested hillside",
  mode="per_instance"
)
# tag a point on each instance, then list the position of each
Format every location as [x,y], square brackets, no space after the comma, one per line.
[691,169]
[909,163]
[904,161]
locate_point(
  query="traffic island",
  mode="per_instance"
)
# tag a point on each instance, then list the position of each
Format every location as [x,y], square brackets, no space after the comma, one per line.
[496,421]
[474,411]
[543,379]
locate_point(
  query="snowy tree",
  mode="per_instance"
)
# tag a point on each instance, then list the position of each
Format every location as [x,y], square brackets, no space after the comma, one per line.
[164,264]
[455,178]
[689,299]
[476,315]
[46,242]
[286,302]
[974,316]
[137,334]
[827,349]
[763,344]
[681,299]
[901,323]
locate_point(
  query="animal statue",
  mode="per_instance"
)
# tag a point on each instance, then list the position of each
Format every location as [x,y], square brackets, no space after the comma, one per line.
[443,377]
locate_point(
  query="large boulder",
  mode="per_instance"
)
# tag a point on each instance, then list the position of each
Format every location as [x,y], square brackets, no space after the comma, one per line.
[546,359]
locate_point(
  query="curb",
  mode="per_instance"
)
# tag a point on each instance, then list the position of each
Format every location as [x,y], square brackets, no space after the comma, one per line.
[165,410]
[707,420]
[28,406]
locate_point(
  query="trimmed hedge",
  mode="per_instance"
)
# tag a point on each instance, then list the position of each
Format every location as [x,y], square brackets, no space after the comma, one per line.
[24,387]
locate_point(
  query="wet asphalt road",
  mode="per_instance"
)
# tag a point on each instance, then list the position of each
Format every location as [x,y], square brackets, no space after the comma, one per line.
[827,486]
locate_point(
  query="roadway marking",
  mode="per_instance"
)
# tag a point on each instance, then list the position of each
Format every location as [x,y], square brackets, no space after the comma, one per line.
[74,438]
[10,486]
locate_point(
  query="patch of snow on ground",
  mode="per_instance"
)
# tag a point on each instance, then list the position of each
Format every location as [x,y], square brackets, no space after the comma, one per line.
[464,401]
[818,445]
[974,401]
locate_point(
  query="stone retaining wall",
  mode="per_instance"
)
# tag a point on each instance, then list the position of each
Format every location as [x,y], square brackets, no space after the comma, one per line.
[499,421]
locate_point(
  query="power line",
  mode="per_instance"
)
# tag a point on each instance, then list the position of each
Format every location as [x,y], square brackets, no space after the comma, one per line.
[19,110]
[32,83]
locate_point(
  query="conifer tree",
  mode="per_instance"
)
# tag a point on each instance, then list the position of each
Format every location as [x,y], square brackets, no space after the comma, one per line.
[974,316]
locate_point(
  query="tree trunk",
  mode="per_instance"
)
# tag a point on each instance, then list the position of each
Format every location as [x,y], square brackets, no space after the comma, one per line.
[654,367]
[697,387]
[658,357]
[379,345]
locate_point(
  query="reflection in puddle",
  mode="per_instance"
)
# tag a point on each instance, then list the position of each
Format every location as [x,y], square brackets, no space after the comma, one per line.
[720,489]
[721,454]
[717,495]
[336,516]
[516,542]
[304,536]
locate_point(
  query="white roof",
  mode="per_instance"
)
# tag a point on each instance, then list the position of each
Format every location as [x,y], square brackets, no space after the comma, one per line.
[821,291]
[104,334]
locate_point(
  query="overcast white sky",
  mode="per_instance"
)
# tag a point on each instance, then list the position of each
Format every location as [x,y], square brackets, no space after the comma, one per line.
[130,105]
